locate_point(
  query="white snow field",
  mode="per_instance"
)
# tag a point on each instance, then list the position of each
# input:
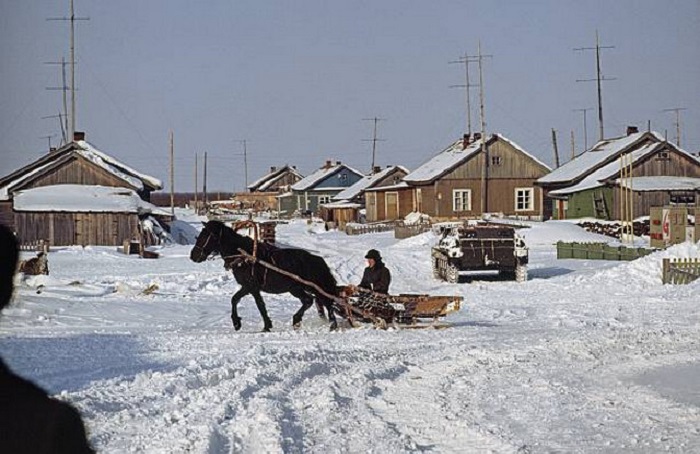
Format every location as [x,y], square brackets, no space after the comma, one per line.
[586,356]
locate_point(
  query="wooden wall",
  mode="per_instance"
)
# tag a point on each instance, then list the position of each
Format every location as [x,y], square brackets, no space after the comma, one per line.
[65,229]
[7,217]
[77,171]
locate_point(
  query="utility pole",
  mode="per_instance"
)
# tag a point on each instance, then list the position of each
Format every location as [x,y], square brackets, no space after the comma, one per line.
[573,145]
[72,20]
[374,140]
[196,186]
[599,79]
[678,122]
[556,150]
[64,89]
[204,189]
[465,60]
[172,175]
[585,126]
[245,163]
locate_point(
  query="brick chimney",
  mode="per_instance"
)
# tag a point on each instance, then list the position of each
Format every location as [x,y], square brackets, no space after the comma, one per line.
[477,136]
[78,135]
[273,169]
[376,169]
[632,130]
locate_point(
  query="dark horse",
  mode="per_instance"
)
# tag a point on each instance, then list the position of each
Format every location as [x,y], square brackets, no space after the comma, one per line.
[255,278]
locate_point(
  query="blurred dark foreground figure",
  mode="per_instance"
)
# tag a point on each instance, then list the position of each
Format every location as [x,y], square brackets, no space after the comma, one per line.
[30,421]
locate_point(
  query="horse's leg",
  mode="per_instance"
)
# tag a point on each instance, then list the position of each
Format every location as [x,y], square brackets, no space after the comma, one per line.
[235,299]
[319,308]
[263,310]
[306,302]
[331,314]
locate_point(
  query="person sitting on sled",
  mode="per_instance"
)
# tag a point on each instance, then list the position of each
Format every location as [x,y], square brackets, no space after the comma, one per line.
[376,277]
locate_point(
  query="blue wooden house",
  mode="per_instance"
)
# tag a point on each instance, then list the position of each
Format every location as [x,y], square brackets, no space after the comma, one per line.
[322,185]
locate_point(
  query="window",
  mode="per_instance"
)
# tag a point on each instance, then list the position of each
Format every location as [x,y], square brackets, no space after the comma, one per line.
[342,176]
[496,160]
[663,156]
[524,199]
[682,198]
[324,199]
[461,200]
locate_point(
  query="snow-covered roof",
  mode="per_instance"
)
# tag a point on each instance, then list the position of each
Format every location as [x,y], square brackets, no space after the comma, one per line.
[342,204]
[595,157]
[89,152]
[454,155]
[320,175]
[444,161]
[662,183]
[597,178]
[6,188]
[115,167]
[83,198]
[366,182]
[399,185]
[268,180]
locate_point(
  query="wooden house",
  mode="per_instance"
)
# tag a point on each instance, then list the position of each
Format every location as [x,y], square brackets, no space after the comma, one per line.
[77,195]
[263,193]
[661,174]
[322,185]
[346,205]
[450,185]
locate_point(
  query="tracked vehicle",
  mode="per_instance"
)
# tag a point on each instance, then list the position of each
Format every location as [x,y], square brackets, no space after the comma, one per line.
[480,249]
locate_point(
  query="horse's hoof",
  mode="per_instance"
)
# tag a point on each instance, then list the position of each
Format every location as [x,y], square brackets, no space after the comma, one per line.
[334,326]
[322,315]
[267,329]
[296,325]
[237,324]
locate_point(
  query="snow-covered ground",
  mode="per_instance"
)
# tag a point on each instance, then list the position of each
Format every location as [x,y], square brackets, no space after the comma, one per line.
[586,356]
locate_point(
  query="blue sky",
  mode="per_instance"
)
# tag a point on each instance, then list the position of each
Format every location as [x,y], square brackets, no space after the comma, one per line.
[297,78]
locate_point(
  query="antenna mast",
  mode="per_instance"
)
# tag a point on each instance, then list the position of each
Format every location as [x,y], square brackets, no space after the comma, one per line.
[678,122]
[599,79]
[585,126]
[72,20]
[465,61]
[374,140]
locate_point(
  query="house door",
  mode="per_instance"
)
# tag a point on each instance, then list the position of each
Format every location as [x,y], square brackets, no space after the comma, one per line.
[371,208]
[392,206]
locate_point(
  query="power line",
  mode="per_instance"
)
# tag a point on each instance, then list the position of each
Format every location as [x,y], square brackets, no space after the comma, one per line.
[599,78]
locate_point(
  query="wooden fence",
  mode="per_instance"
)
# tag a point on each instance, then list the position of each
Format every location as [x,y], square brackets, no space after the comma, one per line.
[599,251]
[680,271]
[37,246]
[402,231]
[361,229]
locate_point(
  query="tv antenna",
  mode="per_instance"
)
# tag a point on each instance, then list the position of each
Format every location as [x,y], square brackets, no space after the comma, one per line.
[599,79]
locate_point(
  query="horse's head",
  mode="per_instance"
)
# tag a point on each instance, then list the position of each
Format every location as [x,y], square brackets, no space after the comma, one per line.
[208,241]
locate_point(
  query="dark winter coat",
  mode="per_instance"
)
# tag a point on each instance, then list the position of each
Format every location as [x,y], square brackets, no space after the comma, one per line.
[376,278]
[32,422]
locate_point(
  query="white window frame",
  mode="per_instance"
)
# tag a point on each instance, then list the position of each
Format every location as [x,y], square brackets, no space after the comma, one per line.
[323,199]
[531,204]
[461,192]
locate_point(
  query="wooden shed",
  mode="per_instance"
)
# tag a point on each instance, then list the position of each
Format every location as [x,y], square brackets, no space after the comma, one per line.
[76,195]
